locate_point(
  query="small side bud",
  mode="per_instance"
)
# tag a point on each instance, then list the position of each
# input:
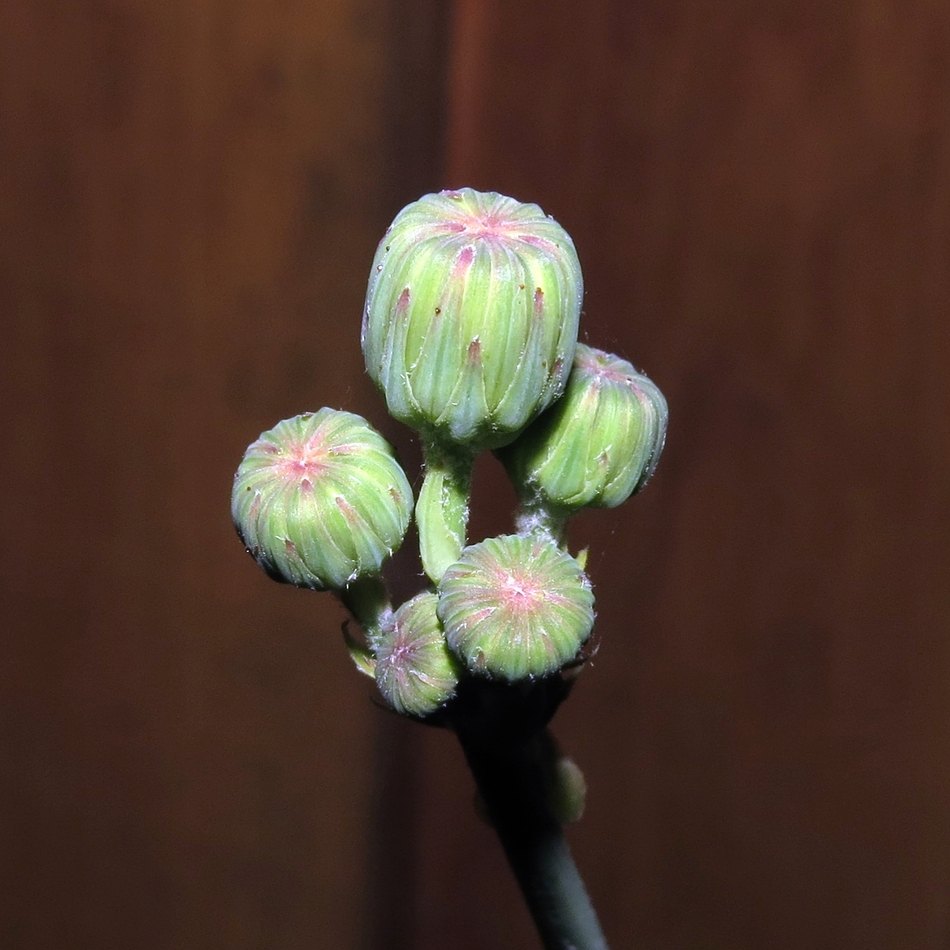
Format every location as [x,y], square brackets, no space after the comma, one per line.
[415,671]
[320,500]
[516,607]
[567,791]
[598,444]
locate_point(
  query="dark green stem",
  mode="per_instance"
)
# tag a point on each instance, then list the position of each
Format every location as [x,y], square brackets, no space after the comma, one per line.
[510,767]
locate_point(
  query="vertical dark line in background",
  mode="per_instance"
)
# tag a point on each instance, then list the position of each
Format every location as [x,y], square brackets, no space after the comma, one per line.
[418,97]
[415,124]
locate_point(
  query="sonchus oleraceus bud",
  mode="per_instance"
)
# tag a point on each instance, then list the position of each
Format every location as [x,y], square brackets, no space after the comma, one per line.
[415,670]
[515,607]
[469,330]
[320,500]
[597,445]
[471,316]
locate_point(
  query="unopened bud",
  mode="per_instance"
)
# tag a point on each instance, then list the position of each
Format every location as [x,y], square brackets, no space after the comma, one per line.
[471,316]
[567,791]
[516,607]
[598,444]
[415,670]
[320,500]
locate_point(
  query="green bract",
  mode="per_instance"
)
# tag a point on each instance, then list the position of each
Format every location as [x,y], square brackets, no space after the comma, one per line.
[598,444]
[320,500]
[515,607]
[415,671]
[471,316]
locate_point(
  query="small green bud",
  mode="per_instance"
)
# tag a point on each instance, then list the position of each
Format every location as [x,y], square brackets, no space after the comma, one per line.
[567,791]
[415,671]
[598,444]
[516,607]
[471,316]
[320,500]
[564,782]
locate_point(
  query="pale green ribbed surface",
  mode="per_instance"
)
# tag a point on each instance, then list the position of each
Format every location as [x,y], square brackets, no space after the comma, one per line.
[320,500]
[516,607]
[471,316]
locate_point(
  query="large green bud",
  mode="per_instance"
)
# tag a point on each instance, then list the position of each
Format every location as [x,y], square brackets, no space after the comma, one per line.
[320,500]
[471,316]
[415,671]
[598,444]
[516,607]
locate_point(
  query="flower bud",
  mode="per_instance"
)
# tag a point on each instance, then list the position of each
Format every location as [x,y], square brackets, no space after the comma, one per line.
[415,670]
[564,784]
[567,792]
[471,316]
[320,500]
[598,444]
[515,607]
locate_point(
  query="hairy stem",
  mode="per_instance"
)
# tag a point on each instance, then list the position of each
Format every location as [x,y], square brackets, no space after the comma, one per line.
[535,518]
[442,509]
[367,600]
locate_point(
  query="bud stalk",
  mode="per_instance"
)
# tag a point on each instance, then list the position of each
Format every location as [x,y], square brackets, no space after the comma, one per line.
[442,509]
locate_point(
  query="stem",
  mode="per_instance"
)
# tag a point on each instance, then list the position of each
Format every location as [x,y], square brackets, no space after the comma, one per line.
[535,517]
[510,770]
[442,509]
[367,600]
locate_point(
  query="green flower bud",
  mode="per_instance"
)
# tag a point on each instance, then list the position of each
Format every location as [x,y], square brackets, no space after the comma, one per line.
[564,783]
[320,500]
[516,607]
[471,316]
[598,444]
[415,670]
[567,791]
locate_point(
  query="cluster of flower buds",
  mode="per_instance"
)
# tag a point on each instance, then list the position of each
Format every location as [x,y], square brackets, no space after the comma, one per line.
[470,332]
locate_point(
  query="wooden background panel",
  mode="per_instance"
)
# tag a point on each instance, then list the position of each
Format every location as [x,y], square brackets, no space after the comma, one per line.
[760,195]
[190,196]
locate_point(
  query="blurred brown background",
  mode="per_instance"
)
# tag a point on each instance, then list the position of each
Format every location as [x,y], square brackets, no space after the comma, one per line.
[190,196]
